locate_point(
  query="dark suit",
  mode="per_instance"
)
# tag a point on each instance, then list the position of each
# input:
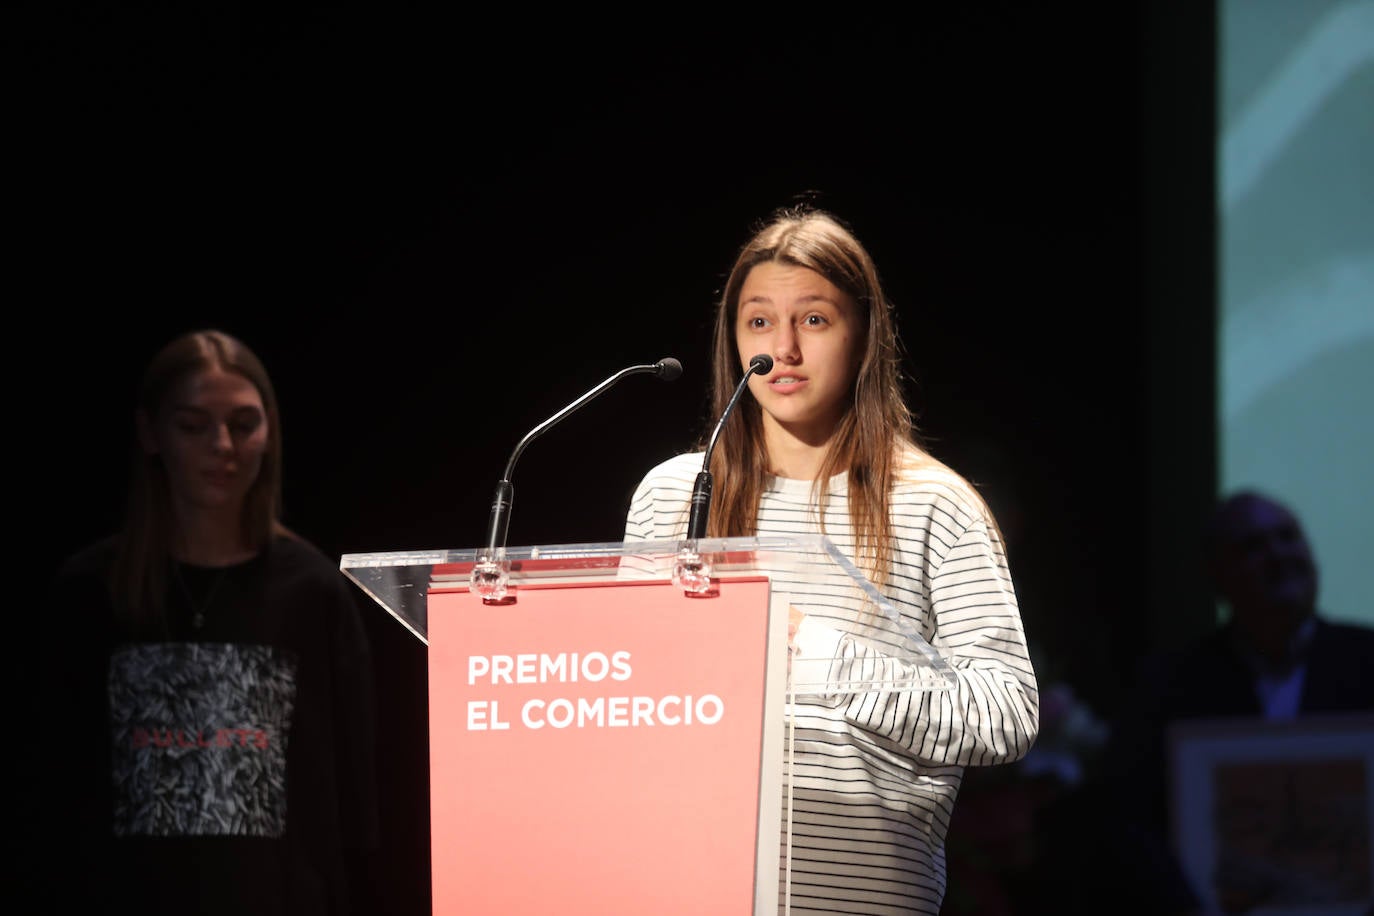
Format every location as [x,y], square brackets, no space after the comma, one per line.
[1214,679]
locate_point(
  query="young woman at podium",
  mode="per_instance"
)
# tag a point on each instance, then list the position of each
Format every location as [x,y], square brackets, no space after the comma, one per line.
[220,751]
[823,443]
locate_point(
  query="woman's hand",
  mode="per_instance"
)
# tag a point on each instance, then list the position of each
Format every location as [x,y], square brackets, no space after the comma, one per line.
[794,619]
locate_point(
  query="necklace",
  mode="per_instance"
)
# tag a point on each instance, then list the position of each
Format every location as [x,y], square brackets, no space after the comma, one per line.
[198,610]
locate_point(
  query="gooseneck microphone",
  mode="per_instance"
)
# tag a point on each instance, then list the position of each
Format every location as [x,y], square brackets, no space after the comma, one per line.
[667,369]
[701,490]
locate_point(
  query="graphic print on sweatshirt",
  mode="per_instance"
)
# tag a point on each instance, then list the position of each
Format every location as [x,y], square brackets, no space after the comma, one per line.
[199,739]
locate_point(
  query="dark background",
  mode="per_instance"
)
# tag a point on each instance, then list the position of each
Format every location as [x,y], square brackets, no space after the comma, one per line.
[439,228]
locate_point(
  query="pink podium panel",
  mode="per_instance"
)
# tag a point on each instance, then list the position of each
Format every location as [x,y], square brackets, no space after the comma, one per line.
[606,748]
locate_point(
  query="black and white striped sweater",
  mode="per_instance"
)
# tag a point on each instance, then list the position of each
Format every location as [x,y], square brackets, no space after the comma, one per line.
[876,774]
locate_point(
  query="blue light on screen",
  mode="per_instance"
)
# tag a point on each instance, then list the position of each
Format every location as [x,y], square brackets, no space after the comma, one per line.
[1295,230]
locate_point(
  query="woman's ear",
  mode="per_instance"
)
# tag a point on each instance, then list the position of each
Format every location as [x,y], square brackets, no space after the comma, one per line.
[147,438]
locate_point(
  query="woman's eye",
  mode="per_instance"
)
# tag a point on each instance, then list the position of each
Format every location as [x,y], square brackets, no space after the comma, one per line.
[757,322]
[814,320]
[191,427]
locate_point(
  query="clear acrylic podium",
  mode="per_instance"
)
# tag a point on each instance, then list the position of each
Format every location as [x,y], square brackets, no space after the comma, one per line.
[614,719]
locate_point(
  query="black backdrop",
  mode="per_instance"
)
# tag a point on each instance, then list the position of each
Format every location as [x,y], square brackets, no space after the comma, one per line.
[437,229]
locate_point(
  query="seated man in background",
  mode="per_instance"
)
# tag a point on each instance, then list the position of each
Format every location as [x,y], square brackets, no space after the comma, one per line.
[1276,658]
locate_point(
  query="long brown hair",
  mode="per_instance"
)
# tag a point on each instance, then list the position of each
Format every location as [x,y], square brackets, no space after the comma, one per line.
[873,434]
[144,553]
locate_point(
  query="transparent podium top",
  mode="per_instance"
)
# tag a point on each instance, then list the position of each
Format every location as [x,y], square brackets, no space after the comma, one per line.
[806,571]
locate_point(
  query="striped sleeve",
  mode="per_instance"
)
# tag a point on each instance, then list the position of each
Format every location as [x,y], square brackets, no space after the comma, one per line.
[991,714]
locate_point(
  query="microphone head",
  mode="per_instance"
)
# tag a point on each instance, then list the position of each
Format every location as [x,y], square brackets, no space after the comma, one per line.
[668,368]
[762,364]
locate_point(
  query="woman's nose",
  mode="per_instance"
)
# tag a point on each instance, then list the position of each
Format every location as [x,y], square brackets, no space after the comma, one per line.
[221,439]
[785,348]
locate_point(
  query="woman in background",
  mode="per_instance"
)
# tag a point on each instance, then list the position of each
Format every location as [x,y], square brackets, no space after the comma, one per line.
[222,754]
